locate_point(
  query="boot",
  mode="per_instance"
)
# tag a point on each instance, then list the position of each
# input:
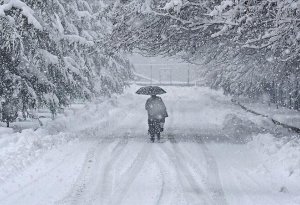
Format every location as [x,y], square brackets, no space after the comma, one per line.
[158,136]
[152,138]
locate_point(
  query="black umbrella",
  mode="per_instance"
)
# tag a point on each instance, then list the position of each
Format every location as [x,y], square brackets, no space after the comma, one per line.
[151,90]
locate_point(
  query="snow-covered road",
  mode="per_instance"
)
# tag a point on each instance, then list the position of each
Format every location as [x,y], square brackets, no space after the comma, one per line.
[200,160]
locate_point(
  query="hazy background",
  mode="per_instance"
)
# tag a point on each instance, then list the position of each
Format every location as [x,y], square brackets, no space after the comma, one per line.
[164,69]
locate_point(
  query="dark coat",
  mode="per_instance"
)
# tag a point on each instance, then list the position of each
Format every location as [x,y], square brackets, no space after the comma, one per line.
[156,108]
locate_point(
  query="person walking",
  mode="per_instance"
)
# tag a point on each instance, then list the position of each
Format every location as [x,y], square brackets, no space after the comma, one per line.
[157,113]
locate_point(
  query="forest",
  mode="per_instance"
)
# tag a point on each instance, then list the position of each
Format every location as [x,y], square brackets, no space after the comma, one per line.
[52,53]
[55,52]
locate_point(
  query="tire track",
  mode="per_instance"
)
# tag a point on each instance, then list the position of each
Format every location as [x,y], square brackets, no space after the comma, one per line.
[186,179]
[162,189]
[130,175]
[162,199]
[76,195]
[80,184]
[104,181]
[189,160]
[213,177]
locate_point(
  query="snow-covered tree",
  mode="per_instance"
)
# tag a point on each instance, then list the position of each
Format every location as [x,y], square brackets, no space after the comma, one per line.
[53,52]
[247,47]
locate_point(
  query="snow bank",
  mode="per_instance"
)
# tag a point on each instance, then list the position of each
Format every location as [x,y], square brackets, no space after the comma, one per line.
[281,156]
[281,114]
[101,117]
[240,129]
[19,150]
[5,131]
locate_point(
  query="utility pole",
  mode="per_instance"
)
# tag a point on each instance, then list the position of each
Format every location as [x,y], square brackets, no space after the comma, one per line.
[171,77]
[151,73]
[160,76]
[188,79]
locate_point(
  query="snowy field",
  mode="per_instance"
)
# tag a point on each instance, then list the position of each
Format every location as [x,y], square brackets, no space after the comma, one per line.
[212,152]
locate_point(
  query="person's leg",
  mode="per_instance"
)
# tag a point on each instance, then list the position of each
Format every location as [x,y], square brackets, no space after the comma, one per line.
[151,130]
[156,124]
[158,136]
[152,138]
[161,127]
[162,123]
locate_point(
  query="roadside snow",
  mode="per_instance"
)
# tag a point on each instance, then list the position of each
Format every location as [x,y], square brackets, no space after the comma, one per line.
[281,114]
[19,150]
[4,130]
[281,156]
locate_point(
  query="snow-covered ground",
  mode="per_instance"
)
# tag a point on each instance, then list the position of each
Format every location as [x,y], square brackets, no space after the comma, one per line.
[212,152]
[281,114]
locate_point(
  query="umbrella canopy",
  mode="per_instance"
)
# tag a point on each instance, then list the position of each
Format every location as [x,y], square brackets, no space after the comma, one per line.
[151,90]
